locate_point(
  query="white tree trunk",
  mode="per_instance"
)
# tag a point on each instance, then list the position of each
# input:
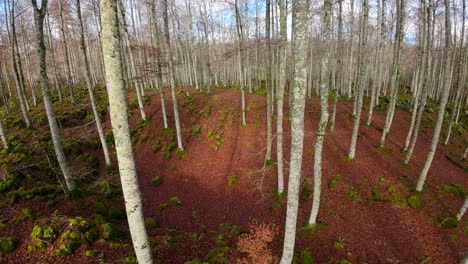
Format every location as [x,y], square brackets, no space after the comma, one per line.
[297,129]
[119,119]
[443,100]
[322,127]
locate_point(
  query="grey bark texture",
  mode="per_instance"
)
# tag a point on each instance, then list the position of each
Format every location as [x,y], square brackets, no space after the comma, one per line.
[119,119]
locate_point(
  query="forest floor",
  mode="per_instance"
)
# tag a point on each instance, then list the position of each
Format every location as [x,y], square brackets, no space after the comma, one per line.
[202,203]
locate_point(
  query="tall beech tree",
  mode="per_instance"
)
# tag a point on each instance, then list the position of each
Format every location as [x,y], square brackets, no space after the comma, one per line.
[443,100]
[90,86]
[361,84]
[39,15]
[322,126]
[118,113]
[297,128]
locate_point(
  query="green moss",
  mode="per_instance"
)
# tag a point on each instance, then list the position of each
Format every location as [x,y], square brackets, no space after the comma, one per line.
[233,179]
[304,257]
[447,222]
[156,181]
[175,200]
[312,229]
[415,201]
[456,189]
[130,259]
[163,206]
[27,215]
[426,260]
[7,245]
[41,236]
[334,181]
[116,212]
[151,222]
[111,231]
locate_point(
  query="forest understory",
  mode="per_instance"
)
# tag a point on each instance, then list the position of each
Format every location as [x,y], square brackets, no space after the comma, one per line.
[216,201]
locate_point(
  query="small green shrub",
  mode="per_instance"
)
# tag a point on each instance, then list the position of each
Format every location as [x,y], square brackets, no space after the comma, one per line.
[163,206]
[233,178]
[415,201]
[156,181]
[7,245]
[151,222]
[339,243]
[175,200]
[111,231]
[456,189]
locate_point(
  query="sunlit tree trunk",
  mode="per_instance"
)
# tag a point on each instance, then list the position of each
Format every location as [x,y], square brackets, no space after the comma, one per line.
[297,129]
[240,36]
[443,100]
[119,119]
[339,70]
[172,77]
[395,81]
[157,45]
[462,209]
[361,84]
[459,84]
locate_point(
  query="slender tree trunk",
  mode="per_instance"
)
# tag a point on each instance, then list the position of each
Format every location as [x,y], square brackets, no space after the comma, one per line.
[132,61]
[171,77]
[395,81]
[339,61]
[240,36]
[89,84]
[362,78]
[297,128]
[462,209]
[280,97]
[119,119]
[443,100]
[159,80]
[39,15]
[16,70]
[65,55]
[268,82]
[322,127]
[3,134]
[459,84]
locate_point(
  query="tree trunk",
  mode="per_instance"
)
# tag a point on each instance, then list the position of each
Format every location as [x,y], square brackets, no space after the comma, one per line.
[119,119]
[297,129]
[39,14]
[268,83]
[280,97]
[395,81]
[240,36]
[171,77]
[462,209]
[65,55]
[443,100]
[90,87]
[322,127]
[362,78]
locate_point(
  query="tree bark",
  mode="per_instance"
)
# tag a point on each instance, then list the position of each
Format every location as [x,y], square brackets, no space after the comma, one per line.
[322,127]
[119,119]
[171,77]
[362,77]
[443,100]
[39,15]
[297,129]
